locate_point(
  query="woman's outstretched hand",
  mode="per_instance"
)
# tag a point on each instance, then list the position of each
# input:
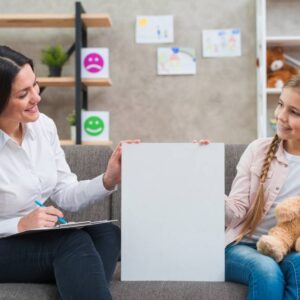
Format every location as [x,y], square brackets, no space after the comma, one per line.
[112,175]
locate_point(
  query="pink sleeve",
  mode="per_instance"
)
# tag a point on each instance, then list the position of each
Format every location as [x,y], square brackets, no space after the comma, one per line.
[238,201]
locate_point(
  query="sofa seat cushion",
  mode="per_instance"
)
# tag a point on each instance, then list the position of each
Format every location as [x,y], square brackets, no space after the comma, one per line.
[27,291]
[156,290]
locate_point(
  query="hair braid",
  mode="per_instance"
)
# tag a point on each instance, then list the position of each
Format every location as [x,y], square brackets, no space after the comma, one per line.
[268,159]
[255,213]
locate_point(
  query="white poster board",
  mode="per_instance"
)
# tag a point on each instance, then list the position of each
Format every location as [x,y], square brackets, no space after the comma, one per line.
[172,212]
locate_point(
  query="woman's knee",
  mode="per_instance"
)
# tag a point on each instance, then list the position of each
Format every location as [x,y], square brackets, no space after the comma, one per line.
[76,241]
[111,233]
[116,233]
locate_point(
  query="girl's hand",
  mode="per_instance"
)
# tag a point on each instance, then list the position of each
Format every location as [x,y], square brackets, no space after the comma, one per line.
[202,142]
[40,217]
[112,175]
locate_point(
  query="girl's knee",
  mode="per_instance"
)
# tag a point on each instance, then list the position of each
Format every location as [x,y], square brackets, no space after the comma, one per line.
[268,272]
[291,266]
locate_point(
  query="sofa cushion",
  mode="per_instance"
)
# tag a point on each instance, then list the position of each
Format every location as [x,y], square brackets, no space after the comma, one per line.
[162,290]
[136,290]
[87,162]
[156,290]
[27,291]
[232,157]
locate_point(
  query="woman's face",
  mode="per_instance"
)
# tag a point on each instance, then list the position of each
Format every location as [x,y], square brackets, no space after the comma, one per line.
[287,114]
[23,102]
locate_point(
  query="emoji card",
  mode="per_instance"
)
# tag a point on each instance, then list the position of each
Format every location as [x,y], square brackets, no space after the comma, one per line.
[95,126]
[94,63]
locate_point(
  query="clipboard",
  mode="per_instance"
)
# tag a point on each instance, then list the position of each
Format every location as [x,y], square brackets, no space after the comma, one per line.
[68,225]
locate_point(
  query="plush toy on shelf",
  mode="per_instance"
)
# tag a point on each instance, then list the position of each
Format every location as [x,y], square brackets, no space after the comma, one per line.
[278,72]
[285,236]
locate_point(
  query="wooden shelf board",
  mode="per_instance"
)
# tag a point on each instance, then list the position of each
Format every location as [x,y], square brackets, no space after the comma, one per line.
[96,20]
[66,142]
[70,82]
[56,81]
[97,82]
[53,20]
[283,40]
[69,142]
[273,91]
[105,143]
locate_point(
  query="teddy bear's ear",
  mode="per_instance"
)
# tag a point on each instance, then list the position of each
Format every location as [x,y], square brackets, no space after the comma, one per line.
[279,50]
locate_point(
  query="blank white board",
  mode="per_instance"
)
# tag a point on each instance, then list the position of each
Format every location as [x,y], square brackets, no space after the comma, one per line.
[172,212]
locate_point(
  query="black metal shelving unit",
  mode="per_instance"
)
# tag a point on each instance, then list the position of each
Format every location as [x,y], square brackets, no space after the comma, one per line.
[81,21]
[81,92]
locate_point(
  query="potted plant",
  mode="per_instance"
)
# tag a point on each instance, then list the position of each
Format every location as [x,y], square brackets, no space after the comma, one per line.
[54,57]
[71,118]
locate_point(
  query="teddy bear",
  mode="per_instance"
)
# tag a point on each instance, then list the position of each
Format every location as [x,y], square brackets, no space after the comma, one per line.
[278,72]
[285,236]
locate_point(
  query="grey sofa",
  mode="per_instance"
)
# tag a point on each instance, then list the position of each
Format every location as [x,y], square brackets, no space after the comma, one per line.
[89,161]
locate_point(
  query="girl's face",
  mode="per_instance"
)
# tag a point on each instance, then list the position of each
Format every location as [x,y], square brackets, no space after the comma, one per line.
[22,106]
[287,114]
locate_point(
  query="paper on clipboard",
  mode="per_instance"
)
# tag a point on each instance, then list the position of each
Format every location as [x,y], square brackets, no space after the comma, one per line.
[68,225]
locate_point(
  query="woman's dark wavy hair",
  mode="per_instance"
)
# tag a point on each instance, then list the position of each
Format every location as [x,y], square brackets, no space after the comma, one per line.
[11,62]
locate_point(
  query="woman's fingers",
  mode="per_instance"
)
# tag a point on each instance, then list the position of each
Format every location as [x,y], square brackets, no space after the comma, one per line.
[118,149]
[202,142]
[48,216]
[51,210]
[49,224]
[136,141]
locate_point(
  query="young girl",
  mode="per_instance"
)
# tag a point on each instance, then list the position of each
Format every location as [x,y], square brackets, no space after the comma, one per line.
[267,173]
[33,167]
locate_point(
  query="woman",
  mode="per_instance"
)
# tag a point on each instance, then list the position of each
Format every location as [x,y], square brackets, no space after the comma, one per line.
[268,172]
[33,168]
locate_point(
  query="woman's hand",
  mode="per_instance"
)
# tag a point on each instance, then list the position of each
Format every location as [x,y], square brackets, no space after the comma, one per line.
[202,142]
[112,175]
[40,217]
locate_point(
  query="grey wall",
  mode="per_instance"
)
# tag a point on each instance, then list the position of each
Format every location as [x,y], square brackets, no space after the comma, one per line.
[219,102]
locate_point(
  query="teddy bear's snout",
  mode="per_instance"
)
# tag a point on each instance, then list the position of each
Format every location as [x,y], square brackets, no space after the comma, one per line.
[276,65]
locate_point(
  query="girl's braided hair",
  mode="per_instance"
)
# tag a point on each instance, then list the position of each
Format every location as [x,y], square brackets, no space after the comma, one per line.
[255,213]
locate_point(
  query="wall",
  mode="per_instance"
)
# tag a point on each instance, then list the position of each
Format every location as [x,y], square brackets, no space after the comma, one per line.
[219,102]
[279,26]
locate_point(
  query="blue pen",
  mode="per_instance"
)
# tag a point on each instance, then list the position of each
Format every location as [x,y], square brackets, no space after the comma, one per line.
[60,219]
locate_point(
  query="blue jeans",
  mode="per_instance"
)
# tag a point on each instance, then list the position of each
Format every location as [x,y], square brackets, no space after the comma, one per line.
[80,262]
[265,278]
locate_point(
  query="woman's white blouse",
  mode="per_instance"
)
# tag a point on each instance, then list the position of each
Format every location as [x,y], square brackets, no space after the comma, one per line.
[37,170]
